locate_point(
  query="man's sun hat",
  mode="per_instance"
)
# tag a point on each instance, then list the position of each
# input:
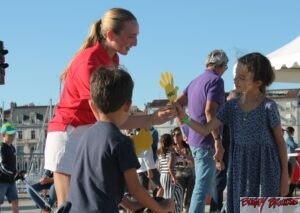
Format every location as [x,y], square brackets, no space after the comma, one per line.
[8,128]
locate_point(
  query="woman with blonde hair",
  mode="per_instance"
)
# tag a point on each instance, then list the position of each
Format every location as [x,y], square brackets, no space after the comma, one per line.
[116,32]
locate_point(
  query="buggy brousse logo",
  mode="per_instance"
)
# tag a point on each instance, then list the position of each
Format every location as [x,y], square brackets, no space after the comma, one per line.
[269,204]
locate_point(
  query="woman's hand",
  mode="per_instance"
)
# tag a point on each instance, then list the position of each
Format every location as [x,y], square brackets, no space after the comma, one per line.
[163,114]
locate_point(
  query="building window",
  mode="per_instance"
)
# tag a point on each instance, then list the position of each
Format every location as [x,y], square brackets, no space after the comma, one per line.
[39,116]
[25,118]
[20,135]
[33,117]
[32,134]
[19,119]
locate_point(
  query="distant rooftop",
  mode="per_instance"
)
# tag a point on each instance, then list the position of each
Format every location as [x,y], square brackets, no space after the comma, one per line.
[274,94]
[158,103]
[283,93]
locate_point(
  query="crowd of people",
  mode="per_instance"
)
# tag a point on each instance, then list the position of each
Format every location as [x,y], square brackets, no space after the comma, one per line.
[95,165]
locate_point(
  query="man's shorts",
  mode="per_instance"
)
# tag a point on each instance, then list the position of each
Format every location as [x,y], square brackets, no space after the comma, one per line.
[60,149]
[9,190]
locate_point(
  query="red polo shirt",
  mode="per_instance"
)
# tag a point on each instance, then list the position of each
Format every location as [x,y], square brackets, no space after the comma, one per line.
[73,108]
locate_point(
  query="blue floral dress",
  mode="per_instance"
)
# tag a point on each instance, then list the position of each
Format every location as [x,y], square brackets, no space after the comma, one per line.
[254,165]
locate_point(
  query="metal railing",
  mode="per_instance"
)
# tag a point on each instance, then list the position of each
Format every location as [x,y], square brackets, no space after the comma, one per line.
[33,164]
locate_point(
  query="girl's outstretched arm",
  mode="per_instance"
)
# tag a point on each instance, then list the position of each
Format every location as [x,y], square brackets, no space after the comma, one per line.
[204,130]
[284,185]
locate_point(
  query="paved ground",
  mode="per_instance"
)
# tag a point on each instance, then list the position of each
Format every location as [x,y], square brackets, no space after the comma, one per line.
[27,205]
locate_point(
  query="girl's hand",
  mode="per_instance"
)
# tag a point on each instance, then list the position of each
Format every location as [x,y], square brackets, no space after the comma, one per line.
[220,165]
[218,156]
[180,112]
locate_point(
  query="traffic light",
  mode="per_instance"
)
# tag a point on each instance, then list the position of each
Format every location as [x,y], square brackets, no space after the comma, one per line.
[3,65]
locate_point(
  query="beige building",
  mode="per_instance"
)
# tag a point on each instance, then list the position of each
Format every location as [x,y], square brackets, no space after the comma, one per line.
[31,122]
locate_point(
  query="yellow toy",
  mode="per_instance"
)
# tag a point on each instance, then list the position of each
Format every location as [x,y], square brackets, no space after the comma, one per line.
[142,141]
[168,84]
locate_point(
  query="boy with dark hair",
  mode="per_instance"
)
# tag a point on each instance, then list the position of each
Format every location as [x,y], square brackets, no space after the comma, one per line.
[8,169]
[105,158]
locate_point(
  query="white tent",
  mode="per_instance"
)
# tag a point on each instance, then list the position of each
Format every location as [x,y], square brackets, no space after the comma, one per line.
[286,62]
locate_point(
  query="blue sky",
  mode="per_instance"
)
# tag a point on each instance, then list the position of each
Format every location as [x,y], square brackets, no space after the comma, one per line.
[175,36]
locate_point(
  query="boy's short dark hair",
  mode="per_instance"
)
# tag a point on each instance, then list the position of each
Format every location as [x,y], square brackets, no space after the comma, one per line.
[111,88]
[290,129]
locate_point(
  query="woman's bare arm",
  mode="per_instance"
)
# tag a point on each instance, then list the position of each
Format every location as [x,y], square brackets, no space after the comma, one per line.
[158,117]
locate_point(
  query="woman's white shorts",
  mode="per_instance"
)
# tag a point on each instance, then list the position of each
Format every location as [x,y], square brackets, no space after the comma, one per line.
[60,149]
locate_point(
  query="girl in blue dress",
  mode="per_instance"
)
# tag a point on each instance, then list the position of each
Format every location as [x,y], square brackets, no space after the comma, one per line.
[257,157]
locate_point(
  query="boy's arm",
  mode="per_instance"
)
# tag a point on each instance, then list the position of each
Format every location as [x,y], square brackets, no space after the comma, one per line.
[140,194]
[131,205]
[3,162]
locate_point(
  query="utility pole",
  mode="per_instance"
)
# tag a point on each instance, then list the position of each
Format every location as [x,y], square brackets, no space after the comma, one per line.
[2,113]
